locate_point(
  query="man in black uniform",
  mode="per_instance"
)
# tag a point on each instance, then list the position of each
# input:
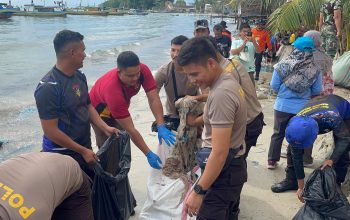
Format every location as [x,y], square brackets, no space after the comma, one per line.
[321,115]
[223,42]
[64,106]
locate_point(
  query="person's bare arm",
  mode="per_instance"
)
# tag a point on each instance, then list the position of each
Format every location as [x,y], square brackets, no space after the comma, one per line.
[239,49]
[155,105]
[97,121]
[337,19]
[321,21]
[194,121]
[135,136]
[51,130]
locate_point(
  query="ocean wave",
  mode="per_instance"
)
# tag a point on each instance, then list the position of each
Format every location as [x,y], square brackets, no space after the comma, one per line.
[102,54]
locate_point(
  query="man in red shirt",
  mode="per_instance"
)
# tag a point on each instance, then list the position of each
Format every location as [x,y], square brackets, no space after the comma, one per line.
[111,97]
[262,36]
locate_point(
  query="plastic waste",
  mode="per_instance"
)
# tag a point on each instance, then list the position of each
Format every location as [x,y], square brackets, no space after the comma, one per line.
[112,197]
[324,199]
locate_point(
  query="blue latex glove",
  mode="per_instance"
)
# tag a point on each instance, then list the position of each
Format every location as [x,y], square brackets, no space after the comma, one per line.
[166,135]
[153,160]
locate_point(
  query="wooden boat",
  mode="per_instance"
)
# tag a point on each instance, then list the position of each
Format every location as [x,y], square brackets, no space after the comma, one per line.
[137,12]
[95,13]
[43,11]
[41,14]
[6,11]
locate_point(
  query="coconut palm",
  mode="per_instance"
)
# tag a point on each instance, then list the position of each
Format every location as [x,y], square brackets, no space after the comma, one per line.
[295,13]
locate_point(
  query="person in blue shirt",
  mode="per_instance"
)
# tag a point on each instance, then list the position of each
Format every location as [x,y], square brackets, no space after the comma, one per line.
[319,116]
[295,79]
[244,49]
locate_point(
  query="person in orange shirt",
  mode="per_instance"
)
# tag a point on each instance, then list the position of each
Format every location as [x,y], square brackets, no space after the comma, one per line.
[262,36]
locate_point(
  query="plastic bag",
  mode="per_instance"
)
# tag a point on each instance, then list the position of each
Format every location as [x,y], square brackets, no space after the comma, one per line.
[324,199]
[112,197]
[341,71]
[164,194]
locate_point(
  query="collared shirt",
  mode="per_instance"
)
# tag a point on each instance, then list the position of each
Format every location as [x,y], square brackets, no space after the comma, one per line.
[164,77]
[65,98]
[240,74]
[225,108]
[41,181]
[111,97]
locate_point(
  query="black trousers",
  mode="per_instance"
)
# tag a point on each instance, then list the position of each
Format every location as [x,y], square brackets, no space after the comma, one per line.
[224,193]
[258,60]
[77,206]
[253,131]
[281,120]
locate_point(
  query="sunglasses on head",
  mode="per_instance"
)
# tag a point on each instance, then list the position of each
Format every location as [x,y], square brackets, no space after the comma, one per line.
[201,23]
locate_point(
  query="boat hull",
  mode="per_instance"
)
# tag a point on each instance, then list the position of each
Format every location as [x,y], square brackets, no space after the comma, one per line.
[96,13]
[5,15]
[41,14]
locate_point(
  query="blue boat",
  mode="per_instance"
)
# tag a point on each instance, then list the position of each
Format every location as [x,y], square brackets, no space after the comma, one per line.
[6,11]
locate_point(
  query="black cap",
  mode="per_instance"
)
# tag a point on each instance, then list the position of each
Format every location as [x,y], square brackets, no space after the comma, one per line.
[223,23]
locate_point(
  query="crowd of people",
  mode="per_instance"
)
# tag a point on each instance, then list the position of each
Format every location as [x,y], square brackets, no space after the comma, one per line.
[200,68]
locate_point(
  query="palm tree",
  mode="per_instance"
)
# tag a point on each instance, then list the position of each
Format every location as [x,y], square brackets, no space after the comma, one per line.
[295,13]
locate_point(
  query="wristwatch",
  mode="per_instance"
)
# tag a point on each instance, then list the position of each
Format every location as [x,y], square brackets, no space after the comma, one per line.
[199,190]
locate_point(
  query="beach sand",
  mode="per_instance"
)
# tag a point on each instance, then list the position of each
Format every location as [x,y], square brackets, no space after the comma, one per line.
[257,200]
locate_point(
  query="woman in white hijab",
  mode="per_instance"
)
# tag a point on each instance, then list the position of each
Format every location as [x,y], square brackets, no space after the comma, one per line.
[323,61]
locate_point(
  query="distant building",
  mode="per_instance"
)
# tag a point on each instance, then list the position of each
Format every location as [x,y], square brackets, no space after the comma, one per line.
[208,8]
[179,8]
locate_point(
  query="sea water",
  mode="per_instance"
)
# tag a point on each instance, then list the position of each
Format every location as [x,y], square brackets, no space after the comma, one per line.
[27,54]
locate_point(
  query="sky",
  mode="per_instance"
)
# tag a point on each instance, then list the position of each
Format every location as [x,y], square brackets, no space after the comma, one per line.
[70,3]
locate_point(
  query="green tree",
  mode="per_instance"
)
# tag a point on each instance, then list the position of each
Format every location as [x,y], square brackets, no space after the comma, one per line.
[180,3]
[292,14]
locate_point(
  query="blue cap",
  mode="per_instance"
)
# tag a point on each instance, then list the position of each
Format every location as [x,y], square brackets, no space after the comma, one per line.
[301,132]
[305,44]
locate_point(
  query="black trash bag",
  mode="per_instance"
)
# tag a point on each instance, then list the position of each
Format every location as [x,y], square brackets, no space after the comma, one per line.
[324,199]
[112,198]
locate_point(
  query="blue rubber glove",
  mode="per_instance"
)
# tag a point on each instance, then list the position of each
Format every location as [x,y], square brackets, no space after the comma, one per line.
[153,160]
[166,135]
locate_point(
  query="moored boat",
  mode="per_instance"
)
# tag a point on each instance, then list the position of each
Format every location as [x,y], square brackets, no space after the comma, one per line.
[43,11]
[137,12]
[6,11]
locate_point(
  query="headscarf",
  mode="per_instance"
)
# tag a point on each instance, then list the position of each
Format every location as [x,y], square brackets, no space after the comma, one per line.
[323,61]
[298,71]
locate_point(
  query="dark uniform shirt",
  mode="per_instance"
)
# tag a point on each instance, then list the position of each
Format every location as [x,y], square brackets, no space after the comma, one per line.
[330,113]
[64,98]
[224,45]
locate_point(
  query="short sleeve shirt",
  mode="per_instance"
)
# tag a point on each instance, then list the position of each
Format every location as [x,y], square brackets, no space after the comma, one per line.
[42,180]
[247,55]
[225,108]
[242,77]
[111,97]
[224,45]
[328,8]
[184,87]
[65,98]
